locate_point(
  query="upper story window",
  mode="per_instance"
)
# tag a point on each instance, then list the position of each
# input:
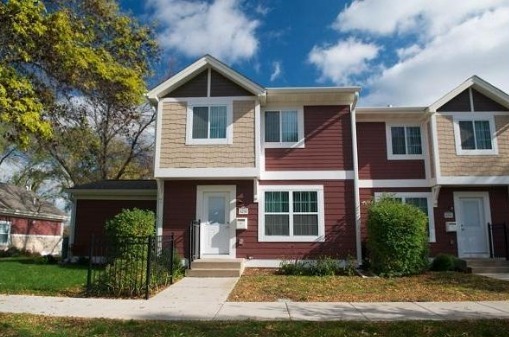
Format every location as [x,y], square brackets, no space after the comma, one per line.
[292,213]
[404,142]
[284,128]
[5,232]
[475,136]
[209,124]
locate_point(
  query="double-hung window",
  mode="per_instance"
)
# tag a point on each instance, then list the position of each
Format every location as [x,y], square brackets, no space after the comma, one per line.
[421,200]
[292,214]
[475,136]
[284,128]
[209,124]
[404,142]
[5,232]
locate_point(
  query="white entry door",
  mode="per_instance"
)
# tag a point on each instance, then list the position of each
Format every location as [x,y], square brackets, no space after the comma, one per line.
[472,230]
[215,224]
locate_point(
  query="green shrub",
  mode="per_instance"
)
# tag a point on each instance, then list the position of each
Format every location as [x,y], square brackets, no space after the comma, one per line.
[448,262]
[443,262]
[397,238]
[323,266]
[131,222]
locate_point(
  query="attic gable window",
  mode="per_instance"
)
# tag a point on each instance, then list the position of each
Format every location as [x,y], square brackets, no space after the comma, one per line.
[5,233]
[284,128]
[475,136]
[209,124]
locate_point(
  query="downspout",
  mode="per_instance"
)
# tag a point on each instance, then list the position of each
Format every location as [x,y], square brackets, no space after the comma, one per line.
[357,198]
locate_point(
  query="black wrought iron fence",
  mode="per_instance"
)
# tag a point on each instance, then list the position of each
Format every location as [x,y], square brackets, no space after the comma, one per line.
[194,241]
[499,245]
[131,266]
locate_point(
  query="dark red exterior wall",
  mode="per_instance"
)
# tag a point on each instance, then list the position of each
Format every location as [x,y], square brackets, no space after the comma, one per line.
[372,152]
[26,226]
[328,143]
[446,242]
[180,209]
[91,216]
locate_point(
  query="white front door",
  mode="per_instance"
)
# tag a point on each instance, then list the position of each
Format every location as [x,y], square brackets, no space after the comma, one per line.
[472,217]
[215,211]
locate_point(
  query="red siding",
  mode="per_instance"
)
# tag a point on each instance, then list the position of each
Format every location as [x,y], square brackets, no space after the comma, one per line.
[373,162]
[180,209]
[328,143]
[339,228]
[446,241]
[91,216]
[33,227]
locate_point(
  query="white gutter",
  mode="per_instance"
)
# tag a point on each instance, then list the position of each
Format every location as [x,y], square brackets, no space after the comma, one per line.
[357,199]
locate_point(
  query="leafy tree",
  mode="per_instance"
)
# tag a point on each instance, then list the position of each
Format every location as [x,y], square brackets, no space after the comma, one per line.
[53,49]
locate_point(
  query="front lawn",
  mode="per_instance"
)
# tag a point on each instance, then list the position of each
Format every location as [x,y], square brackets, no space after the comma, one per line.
[24,275]
[42,326]
[265,286]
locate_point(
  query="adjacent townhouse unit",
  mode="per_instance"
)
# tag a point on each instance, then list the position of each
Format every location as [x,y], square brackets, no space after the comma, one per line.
[28,223]
[283,173]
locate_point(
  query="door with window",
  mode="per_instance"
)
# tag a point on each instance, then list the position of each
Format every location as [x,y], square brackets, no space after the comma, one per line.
[216,226]
[472,220]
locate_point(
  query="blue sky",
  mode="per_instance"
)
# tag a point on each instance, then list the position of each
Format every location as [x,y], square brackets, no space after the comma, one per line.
[399,52]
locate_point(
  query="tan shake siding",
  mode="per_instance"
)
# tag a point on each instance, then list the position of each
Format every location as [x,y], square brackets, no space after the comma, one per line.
[454,165]
[176,154]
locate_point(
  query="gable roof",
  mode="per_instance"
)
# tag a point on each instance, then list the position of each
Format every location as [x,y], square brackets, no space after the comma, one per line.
[17,201]
[478,84]
[201,64]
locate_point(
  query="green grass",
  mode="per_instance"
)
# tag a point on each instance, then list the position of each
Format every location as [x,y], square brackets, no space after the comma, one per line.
[24,275]
[41,326]
[264,286]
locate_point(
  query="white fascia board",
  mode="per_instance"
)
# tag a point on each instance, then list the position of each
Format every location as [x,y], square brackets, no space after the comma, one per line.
[206,173]
[478,84]
[302,90]
[391,110]
[394,183]
[100,193]
[307,175]
[199,65]
[32,215]
[473,180]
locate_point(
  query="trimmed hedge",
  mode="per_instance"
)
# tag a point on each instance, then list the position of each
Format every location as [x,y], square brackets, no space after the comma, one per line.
[131,222]
[397,238]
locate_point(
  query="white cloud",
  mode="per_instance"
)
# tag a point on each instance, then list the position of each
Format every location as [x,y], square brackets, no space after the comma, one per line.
[479,45]
[339,62]
[196,28]
[423,17]
[276,72]
[429,47]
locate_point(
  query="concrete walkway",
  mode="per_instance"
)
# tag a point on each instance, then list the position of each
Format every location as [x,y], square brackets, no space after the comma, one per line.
[205,299]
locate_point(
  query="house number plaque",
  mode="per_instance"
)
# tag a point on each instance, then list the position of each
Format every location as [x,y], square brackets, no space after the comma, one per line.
[243,210]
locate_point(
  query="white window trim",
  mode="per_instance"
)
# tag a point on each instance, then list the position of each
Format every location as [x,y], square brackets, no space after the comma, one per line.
[300,129]
[208,102]
[388,137]
[8,223]
[471,118]
[291,188]
[428,196]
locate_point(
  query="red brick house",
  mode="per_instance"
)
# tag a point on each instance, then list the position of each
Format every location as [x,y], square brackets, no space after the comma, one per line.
[278,173]
[28,223]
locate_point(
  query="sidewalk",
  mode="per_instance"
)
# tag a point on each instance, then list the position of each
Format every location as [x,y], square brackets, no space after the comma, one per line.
[205,299]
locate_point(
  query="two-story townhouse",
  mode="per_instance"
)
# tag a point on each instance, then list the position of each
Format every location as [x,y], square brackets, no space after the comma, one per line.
[282,173]
[450,159]
[269,172]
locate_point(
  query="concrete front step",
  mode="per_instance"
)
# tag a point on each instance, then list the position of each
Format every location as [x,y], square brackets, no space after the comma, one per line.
[216,268]
[488,265]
